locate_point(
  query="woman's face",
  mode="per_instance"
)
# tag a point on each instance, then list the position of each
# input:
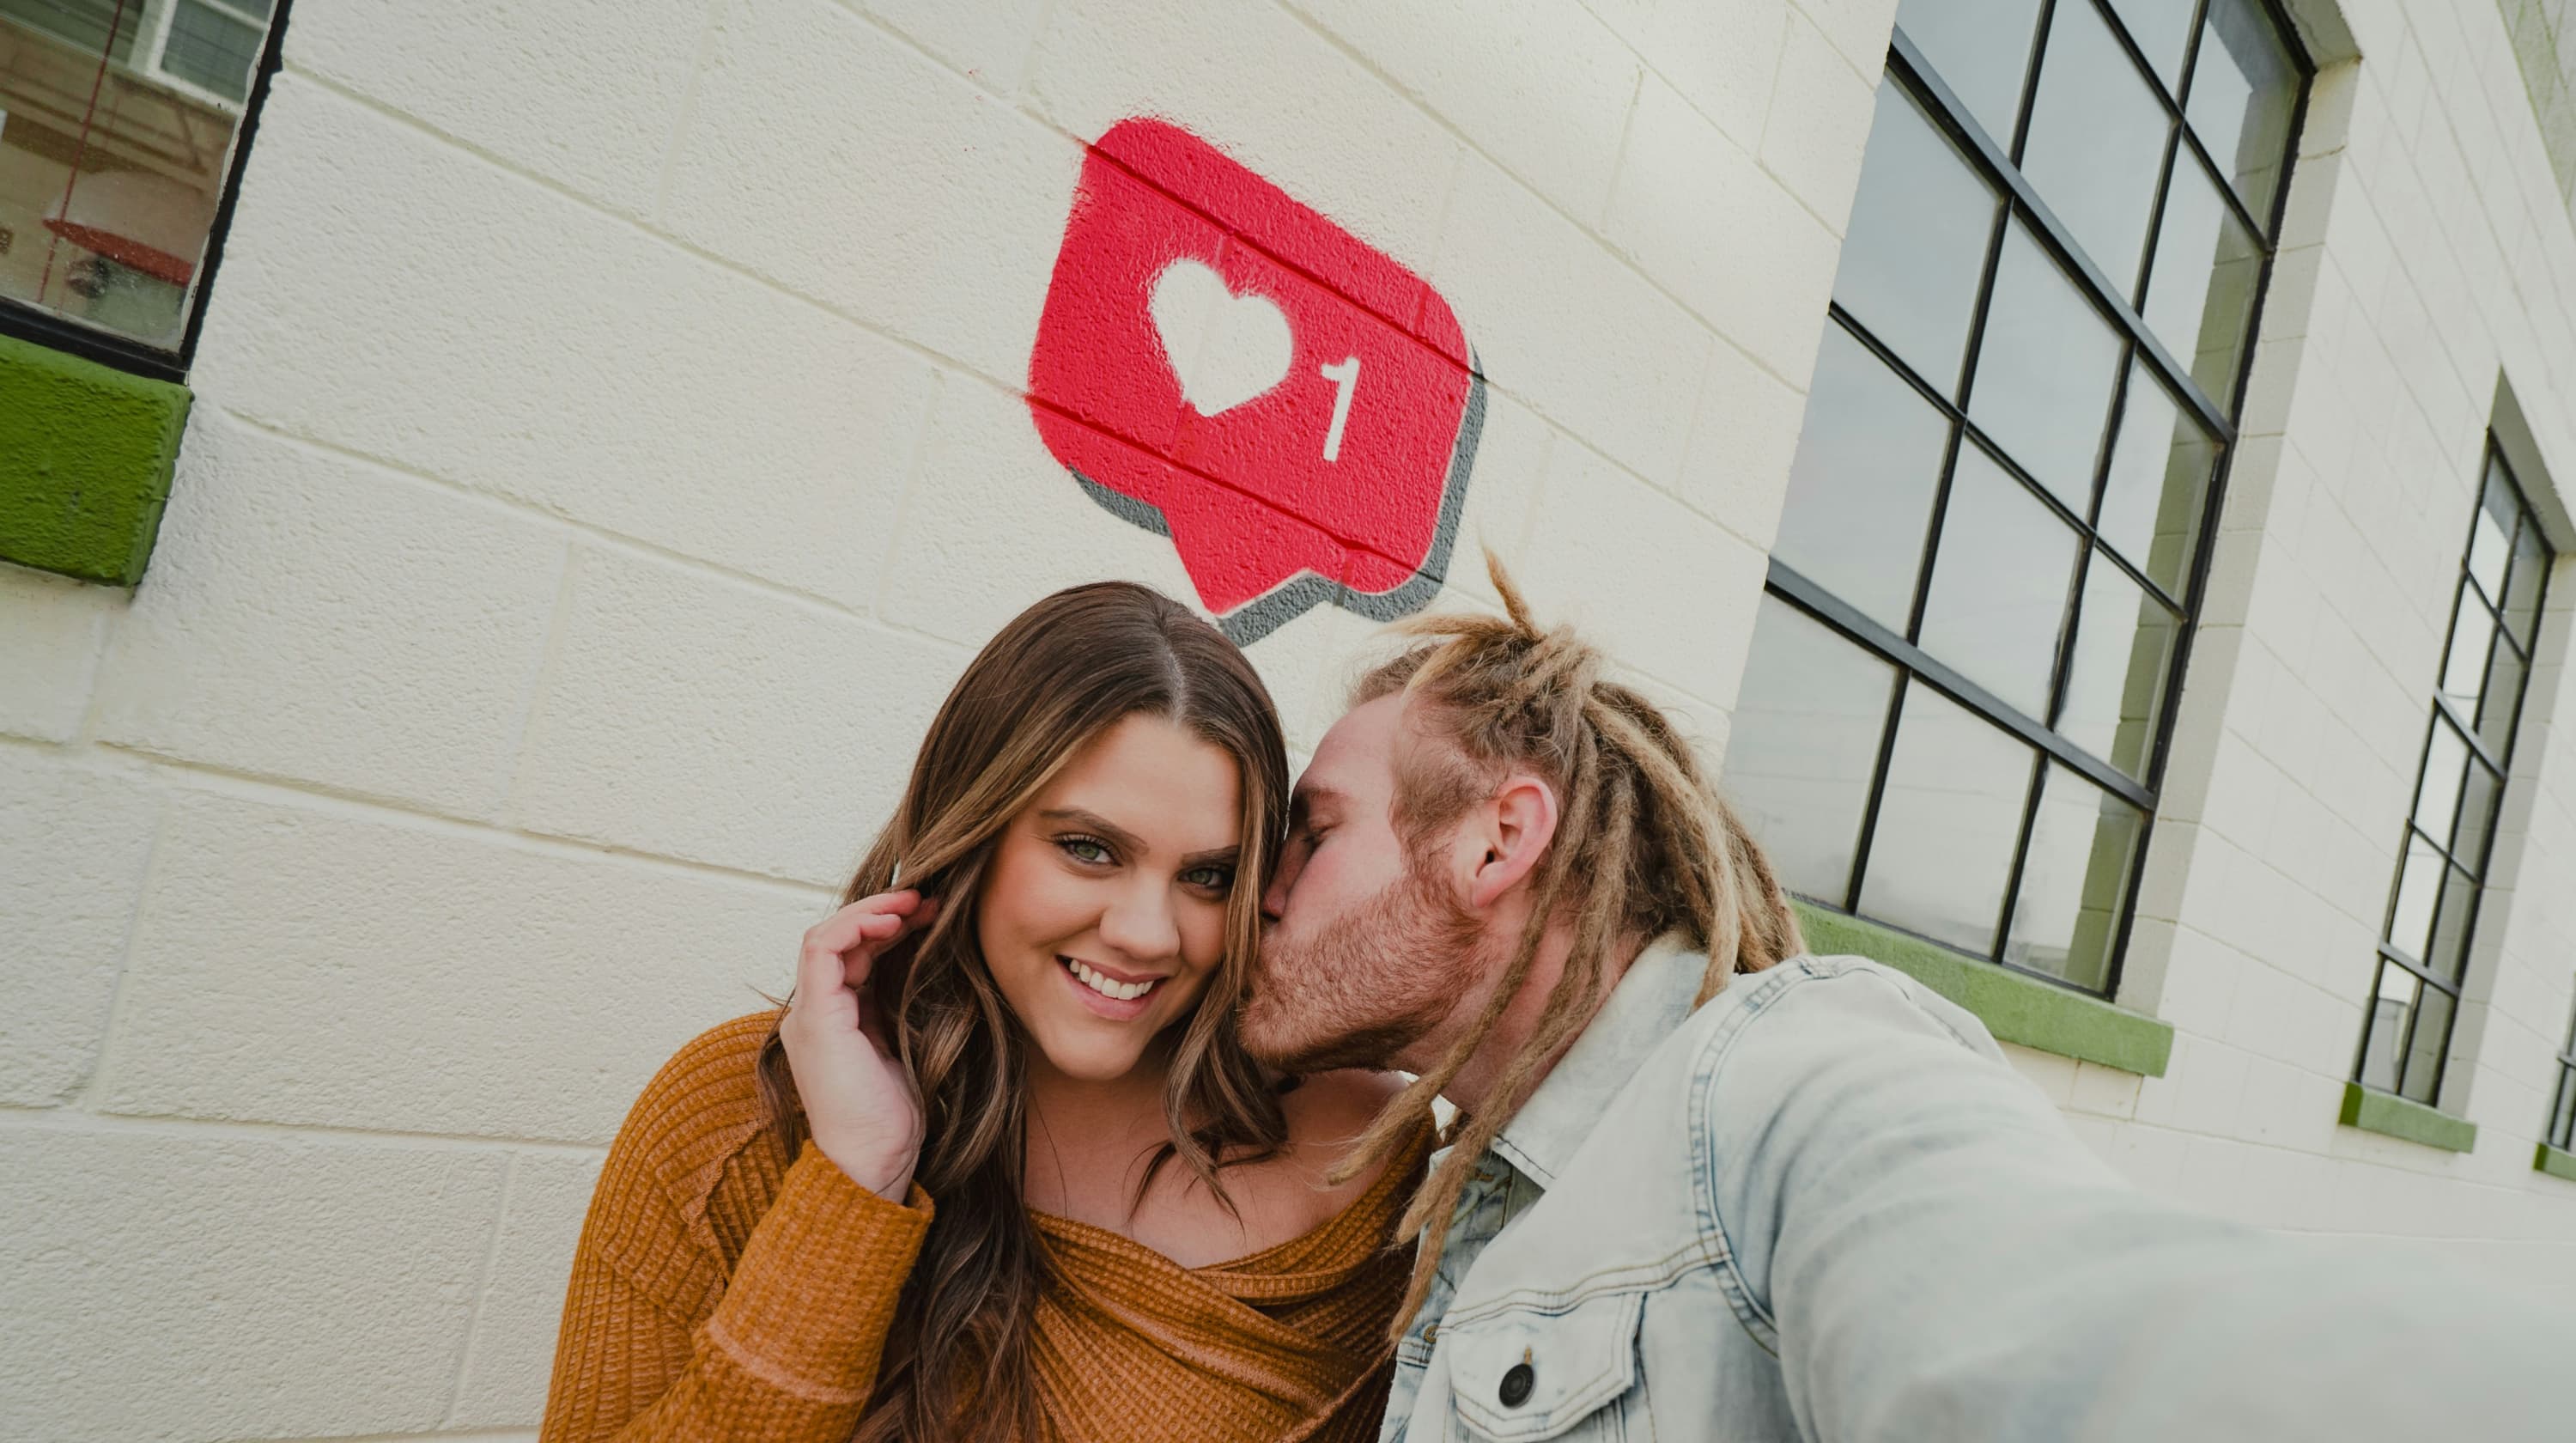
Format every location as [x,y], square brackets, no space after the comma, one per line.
[1103,915]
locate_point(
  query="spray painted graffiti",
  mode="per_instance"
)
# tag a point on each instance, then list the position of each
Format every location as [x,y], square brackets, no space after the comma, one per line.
[1222,365]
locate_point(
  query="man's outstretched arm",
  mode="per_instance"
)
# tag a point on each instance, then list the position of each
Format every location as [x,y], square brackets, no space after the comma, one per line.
[1943,1260]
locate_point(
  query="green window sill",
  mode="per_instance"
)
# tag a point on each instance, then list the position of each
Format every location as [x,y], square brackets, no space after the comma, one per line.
[2555,1162]
[2394,1116]
[86,454]
[2015,1008]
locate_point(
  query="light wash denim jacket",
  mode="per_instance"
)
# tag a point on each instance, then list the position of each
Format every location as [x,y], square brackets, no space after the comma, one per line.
[1824,1207]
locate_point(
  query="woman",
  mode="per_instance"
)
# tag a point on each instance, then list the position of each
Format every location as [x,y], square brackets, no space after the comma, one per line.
[931,1199]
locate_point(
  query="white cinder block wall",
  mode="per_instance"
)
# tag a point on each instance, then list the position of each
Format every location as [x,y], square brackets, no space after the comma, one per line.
[608,446]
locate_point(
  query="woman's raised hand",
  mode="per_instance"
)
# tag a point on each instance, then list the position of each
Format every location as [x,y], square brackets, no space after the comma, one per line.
[860,1106]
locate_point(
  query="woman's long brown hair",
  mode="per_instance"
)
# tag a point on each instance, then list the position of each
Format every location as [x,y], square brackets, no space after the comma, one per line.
[958,1365]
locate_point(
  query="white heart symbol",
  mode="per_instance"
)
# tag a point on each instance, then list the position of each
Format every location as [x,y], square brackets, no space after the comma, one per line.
[1225,348]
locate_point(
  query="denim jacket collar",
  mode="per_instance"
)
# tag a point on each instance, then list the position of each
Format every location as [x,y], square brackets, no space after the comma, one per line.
[1648,1003]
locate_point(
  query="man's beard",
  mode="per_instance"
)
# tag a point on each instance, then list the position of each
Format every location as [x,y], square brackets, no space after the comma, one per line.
[1365,987]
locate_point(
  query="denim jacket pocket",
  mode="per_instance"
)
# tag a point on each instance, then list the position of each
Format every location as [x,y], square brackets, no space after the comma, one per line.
[1526,1373]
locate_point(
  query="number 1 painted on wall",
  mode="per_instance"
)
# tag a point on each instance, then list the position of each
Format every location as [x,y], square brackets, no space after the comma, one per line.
[1346,379]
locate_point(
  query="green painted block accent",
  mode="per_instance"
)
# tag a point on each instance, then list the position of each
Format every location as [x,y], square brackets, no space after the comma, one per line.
[2555,1163]
[2015,1008]
[2385,1112]
[85,460]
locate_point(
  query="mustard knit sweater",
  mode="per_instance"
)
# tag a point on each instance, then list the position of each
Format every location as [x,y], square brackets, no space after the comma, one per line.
[723,1290]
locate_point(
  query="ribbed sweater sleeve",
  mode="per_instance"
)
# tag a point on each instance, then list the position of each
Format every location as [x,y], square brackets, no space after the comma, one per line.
[661,1340]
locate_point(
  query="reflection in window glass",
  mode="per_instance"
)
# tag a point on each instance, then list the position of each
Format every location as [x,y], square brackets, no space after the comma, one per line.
[2115,687]
[2202,282]
[2243,90]
[2464,671]
[2097,142]
[1804,745]
[2160,469]
[2522,585]
[2390,1010]
[1947,822]
[2503,694]
[2468,839]
[1860,490]
[2044,372]
[1981,48]
[1917,242]
[109,201]
[2437,795]
[1999,589]
[2447,953]
[2491,543]
[2419,883]
[2425,1042]
[2067,915]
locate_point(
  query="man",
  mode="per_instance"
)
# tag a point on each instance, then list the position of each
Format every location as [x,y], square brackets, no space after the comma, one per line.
[1767,1196]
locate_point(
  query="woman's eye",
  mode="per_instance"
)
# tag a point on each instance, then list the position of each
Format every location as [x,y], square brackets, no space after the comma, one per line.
[1214,879]
[1085,849]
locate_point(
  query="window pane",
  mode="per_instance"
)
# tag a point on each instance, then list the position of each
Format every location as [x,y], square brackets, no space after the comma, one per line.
[2425,1042]
[2490,536]
[1804,745]
[1917,241]
[2437,795]
[1860,491]
[2000,580]
[2074,881]
[2242,88]
[2123,651]
[2044,372]
[2159,479]
[2201,287]
[2477,817]
[2097,141]
[1981,48]
[2523,587]
[1946,824]
[107,196]
[2448,951]
[2565,1136]
[2390,1009]
[2419,882]
[2464,670]
[2160,27]
[212,49]
[2502,700]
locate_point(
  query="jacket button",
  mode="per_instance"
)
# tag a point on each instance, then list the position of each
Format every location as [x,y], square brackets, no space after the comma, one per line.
[1517,1384]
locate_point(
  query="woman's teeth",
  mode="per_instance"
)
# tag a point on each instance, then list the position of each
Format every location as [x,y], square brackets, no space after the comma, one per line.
[1106,987]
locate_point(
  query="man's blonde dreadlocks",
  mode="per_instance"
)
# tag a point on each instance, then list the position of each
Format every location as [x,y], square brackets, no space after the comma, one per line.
[1643,847]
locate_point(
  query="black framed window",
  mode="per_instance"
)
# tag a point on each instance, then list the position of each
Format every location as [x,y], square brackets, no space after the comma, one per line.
[122,126]
[2562,1098]
[1954,714]
[2459,790]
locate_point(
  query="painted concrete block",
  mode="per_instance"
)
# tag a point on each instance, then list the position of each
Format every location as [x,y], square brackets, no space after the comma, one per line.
[1336,136]
[1743,437]
[1684,615]
[1857,28]
[49,650]
[191,1288]
[956,575]
[405,619]
[1721,55]
[1562,326]
[1541,86]
[511,1353]
[692,717]
[615,75]
[1821,108]
[314,967]
[827,155]
[602,374]
[991,43]
[73,843]
[1700,216]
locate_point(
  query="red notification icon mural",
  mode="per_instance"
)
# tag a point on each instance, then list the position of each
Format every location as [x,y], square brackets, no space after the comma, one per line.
[1220,364]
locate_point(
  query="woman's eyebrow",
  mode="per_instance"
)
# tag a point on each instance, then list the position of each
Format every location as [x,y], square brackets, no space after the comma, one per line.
[1093,821]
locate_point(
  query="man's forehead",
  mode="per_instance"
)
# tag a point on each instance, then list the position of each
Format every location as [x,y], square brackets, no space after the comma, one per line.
[1356,757]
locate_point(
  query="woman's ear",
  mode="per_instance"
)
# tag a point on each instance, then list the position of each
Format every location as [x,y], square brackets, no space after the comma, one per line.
[1519,823]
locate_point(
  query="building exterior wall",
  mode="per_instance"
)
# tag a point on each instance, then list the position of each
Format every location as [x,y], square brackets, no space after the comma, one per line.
[609,443]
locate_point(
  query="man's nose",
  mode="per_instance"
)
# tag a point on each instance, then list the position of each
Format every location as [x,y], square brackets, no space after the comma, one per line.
[1274,898]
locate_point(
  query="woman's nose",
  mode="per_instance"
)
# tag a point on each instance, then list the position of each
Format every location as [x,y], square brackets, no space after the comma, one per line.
[1139,922]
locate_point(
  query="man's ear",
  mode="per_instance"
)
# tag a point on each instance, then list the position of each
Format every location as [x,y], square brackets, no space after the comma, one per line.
[1518,824]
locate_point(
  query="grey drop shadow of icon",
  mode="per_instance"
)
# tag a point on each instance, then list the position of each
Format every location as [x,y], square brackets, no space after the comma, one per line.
[1291,599]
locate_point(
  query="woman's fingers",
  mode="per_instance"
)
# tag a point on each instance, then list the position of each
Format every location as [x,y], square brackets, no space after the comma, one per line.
[839,950]
[861,961]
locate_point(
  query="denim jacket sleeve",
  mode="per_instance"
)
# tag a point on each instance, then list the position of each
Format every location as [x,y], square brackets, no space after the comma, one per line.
[1935,1258]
